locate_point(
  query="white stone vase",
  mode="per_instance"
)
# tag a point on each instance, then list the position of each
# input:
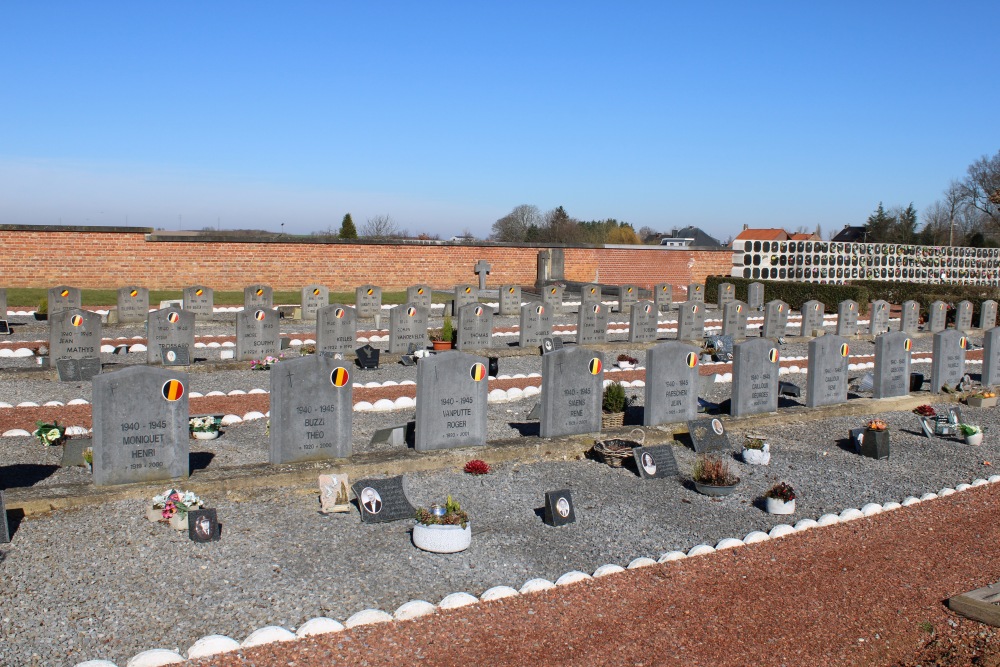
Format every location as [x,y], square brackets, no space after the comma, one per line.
[178,521]
[974,439]
[206,435]
[442,539]
[757,457]
[153,514]
[778,506]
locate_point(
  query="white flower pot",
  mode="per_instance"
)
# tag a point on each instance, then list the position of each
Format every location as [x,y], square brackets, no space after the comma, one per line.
[974,439]
[757,457]
[178,522]
[776,506]
[206,435]
[442,539]
[624,365]
[153,514]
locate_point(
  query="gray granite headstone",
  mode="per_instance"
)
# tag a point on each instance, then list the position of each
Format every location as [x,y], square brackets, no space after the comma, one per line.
[133,304]
[827,379]
[3,303]
[948,363]
[552,297]
[655,462]
[419,296]
[734,319]
[628,295]
[696,292]
[572,392]
[407,326]
[892,365]
[336,329]
[368,301]
[463,296]
[755,296]
[590,293]
[510,300]
[987,314]
[663,296]
[64,297]
[909,318]
[755,377]
[258,297]
[937,316]
[847,318]
[812,317]
[74,334]
[991,357]
[382,500]
[691,321]
[311,409]
[878,318]
[140,417]
[671,392]
[168,327]
[709,435]
[963,316]
[775,319]
[536,324]
[452,389]
[4,528]
[314,297]
[475,327]
[727,293]
[199,300]
[592,325]
[257,334]
[642,323]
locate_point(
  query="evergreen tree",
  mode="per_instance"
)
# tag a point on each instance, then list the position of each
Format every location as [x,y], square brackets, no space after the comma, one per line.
[347,228]
[879,226]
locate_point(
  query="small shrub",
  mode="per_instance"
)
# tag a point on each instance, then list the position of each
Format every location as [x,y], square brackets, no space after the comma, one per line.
[753,443]
[714,471]
[615,399]
[781,491]
[453,515]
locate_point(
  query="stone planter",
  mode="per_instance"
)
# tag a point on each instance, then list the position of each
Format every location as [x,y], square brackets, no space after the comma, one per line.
[441,344]
[979,402]
[442,539]
[757,457]
[153,514]
[778,506]
[974,439]
[41,317]
[710,490]
[206,435]
[178,522]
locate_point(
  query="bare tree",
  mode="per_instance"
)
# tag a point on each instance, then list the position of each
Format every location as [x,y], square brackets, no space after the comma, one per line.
[981,187]
[380,227]
[513,227]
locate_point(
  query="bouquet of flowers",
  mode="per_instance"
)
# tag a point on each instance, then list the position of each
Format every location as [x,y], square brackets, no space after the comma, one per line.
[49,434]
[203,424]
[174,501]
[264,364]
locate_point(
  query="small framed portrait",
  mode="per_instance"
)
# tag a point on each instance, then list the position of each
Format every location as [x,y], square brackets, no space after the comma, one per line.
[203,525]
[717,427]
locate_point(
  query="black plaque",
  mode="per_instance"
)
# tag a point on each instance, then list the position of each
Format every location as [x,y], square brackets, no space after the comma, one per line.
[875,444]
[709,435]
[4,528]
[78,370]
[367,357]
[655,462]
[550,343]
[175,355]
[559,508]
[203,525]
[4,327]
[382,500]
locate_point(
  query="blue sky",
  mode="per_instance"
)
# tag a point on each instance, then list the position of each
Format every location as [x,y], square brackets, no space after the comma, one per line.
[445,115]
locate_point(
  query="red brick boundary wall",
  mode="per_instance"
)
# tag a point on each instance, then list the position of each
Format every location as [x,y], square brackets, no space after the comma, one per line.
[112,257]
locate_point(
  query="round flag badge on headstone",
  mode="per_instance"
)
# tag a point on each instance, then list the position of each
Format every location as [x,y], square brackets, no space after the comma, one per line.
[76,320]
[338,313]
[694,309]
[697,288]
[339,377]
[64,293]
[663,289]
[539,310]
[420,290]
[478,311]
[844,350]
[173,390]
[370,291]
[647,309]
[629,290]
[510,290]
[816,306]
[781,307]
[316,292]
[552,291]
[259,316]
[411,311]
[173,317]
[593,291]
[595,366]
[773,355]
[468,290]
[850,306]
[478,372]
[199,292]
[729,287]
[134,293]
[597,308]
[692,359]
[963,343]
[907,344]
[739,308]
[260,291]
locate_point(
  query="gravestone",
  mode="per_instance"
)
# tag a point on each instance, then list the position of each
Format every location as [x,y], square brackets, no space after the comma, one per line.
[892,365]
[133,304]
[203,525]
[336,329]
[590,293]
[642,323]
[663,296]
[552,297]
[991,357]
[709,435]
[452,389]
[827,379]
[755,378]
[937,316]
[948,363]
[419,296]
[727,293]
[258,297]
[755,296]
[200,301]
[311,409]
[671,392]
[4,528]
[558,508]
[963,316]
[169,327]
[696,292]
[878,318]
[482,270]
[3,304]
[334,493]
[572,392]
[628,295]
[592,325]
[463,296]
[987,314]
[510,300]
[775,319]
[475,327]
[368,301]
[367,357]
[140,422]
[74,334]
[64,297]
[812,317]
[314,297]
[691,321]
[734,319]
[407,326]
[909,318]
[536,324]
[847,318]
[382,500]
[257,334]
[655,462]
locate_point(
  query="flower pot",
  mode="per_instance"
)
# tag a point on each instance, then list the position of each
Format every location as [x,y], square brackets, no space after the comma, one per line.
[778,506]
[206,435]
[875,444]
[442,539]
[612,419]
[980,402]
[974,439]
[710,490]
[757,457]
[179,521]
[625,365]
[441,344]
[153,514]
[41,317]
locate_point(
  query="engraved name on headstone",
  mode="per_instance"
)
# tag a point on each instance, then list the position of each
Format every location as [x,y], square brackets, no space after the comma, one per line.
[171,327]
[755,377]
[407,326]
[475,327]
[775,319]
[664,296]
[419,296]
[827,379]
[628,295]
[812,317]
[963,316]
[642,323]
[536,324]
[552,297]
[696,292]
[452,390]
[755,296]
[311,409]
[948,363]
[592,324]
[314,297]
[727,293]
[199,300]
[937,316]
[734,319]
[74,334]
[258,297]
[336,329]
[257,334]
[133,304]
[368,301]
[572,391]
[671,392]
[892,365]
[463,296]
[63,297]
[991,357]
[847,318]
[878,318]
[510,300]
[691,321]
[987,314]
[909,318]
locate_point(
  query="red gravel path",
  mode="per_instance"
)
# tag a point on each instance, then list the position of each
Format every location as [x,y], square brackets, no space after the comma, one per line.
[869,592]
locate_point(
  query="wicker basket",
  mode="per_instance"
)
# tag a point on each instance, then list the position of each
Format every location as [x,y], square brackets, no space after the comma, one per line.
[612,419]
[616,451]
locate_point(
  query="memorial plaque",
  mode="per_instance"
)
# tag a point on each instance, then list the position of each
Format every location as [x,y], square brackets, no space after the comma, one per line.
[314,297]
[755,378]
[336,329]
[655,462]
[734,319]
[74,334]
[948,363]
[334,493]
[203,525]
[878,318]
[937,316]
[709,435]
[590,293]
[691,321]
[572,392]
[592,325]
[847,318]
[78,370]
[368,301]
[979,604]
[382,500]
[696,292]
[812,317]
[987,314]
[175,355]
[552,297]
[199,300]
[169,327]
[258,297]
[419,296]
[727,293]
[892,365]
[368,357]
[909,319]
[663,295]
[140,422]
[755,296]
[452,389]
[64,297]
[510,300]
[559,508]
[257,334]
[4,328]
[775,319]
[311,409]
[475,327]
[133,304]
[991,357]
[671,392]
[628,295]
[643,323]
[4,528]
[463,296]
[827,380]
[536,324]
[407,326]
[963,316]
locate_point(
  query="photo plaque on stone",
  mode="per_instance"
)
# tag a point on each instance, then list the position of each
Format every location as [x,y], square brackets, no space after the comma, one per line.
[709,435]
[559,508]
[78,370]
[175,355]
[203,525]
[382,500]
[367,357]
[655,462]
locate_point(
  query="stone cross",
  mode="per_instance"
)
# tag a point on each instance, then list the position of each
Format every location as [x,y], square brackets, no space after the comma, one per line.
[482,269]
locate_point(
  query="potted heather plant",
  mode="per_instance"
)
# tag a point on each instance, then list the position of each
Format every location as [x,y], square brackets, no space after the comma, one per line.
[973,434]
[756,451]
[625,362]
[780,499]
[442,530]
[713,476]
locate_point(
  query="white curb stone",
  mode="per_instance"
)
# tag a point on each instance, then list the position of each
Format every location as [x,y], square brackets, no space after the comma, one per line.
[781,530]
[700,550]
[910,500]
[671,556]
[498,593]
[156,657]
[605,570]
[928,496]
[267,635]
[871,509]
[891,505]
[413,609]
[728,543]
[536,585]
[755,537]
[321,625]
[367,617]
[963,487]
[572,577]
[456,600]
[211,645]
[640,562]
[979,482]
[805,524]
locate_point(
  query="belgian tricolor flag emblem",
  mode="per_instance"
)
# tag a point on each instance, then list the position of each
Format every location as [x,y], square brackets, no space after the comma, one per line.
[773,355]
[134,293]
[850,306]
[64,293]
[173,390]
[595,366]
[468,290]
[316,291]
[199,292]
[739,308]
[370,291]
[646,309]
[597,309]
[629,290]
[844,350]
[173,318]
[663,289]
[539,310]
[339,377]
[260,291]
[963,343]
[694,309]
[338,313]
[420,290]
[907,344]
[552,291]
[76,320]
[478,311]
[692,359]
[593,291]
[478,372]
[510,290]
[781,307]
[411,311]
[259,316]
